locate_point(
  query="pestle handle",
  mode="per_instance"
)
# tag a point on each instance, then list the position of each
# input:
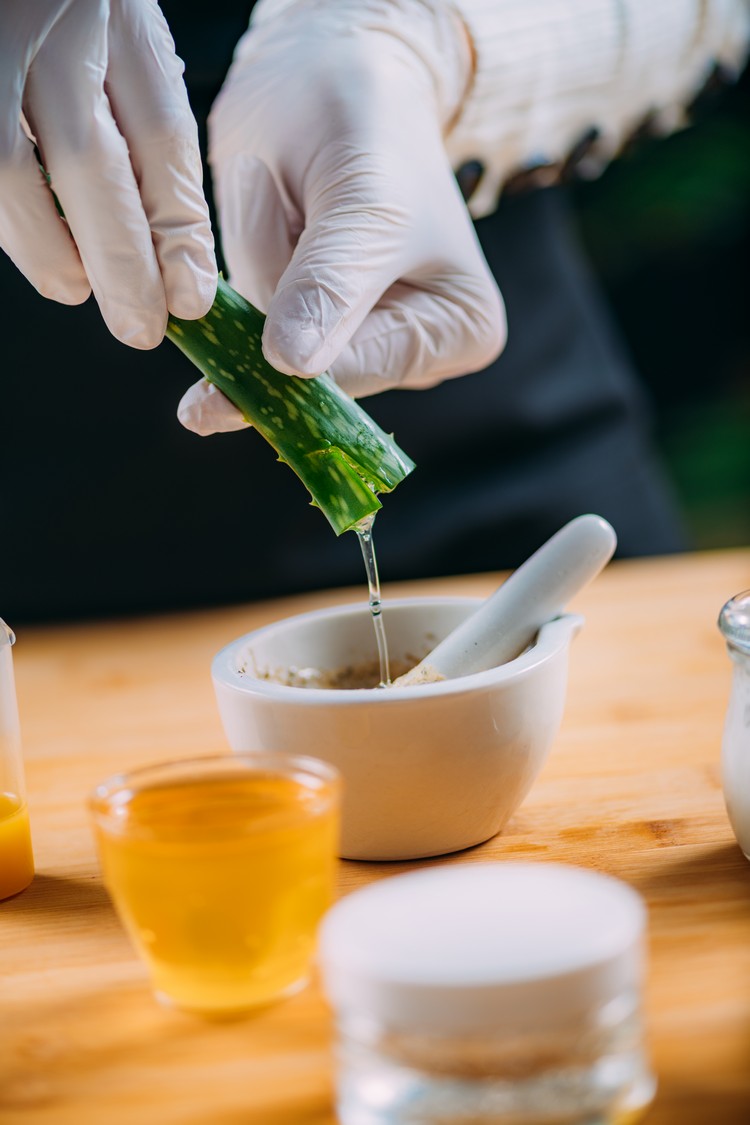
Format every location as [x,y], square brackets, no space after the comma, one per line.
[535,593]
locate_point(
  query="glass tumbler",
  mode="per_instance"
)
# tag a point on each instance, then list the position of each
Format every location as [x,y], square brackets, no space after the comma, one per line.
[220,869]
[16,858]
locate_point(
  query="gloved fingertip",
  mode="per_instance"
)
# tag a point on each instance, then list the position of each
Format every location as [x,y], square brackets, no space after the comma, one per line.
[204,410]
[294,352]
[491,334]
[144,334]
[194,295]
[189,417]
[65,290]
[192,305]
[77,296]
[306,327]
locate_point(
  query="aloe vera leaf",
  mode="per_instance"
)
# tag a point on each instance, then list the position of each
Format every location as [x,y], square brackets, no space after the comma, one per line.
[339,453]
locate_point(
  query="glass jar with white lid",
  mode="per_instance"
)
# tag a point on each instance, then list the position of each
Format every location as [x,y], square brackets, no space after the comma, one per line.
[489,994]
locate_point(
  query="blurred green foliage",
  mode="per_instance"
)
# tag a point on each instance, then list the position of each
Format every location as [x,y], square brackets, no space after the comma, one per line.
[667,228]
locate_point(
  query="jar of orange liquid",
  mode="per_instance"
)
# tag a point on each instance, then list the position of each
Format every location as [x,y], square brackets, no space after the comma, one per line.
[16,858]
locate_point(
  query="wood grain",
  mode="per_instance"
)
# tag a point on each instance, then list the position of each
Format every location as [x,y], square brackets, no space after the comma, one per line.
[632,787]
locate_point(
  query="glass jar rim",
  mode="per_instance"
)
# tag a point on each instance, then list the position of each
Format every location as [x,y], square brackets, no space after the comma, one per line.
[734,621]
[209,768]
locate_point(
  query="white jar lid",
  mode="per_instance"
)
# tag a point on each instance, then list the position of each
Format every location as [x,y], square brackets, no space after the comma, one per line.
[510,947]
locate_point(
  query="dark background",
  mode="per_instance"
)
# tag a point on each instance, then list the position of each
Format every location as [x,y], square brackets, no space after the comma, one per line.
[668,231]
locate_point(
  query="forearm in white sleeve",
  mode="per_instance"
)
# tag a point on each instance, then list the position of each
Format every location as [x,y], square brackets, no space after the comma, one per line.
[339,128]
[549,72]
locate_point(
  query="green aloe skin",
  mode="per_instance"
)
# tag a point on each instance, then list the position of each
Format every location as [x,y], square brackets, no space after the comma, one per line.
[341,456]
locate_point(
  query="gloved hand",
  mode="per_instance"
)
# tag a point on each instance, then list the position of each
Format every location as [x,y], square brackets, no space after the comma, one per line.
[339,212]
[99,87]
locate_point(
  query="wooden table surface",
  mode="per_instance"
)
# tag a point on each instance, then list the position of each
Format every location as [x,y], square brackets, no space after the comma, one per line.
[632,787]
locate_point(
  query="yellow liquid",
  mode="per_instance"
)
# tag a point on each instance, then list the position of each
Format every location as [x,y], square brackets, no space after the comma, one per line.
[221,884]
[16,858]
[630,1116]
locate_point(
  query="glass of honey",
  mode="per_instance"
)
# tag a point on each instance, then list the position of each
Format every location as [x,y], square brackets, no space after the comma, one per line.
[221,869]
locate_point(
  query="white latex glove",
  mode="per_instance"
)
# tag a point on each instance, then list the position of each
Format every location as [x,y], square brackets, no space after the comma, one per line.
[101,91]
[339,211]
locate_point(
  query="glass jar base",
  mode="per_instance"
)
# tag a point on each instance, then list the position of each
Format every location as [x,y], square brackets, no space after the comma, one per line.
[16,888]
[231,1011]
[394,1096]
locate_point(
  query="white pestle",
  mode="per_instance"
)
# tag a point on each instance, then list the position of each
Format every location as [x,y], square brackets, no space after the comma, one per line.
[535,593]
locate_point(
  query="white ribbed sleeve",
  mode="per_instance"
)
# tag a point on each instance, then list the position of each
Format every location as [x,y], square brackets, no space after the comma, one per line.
[548,71]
